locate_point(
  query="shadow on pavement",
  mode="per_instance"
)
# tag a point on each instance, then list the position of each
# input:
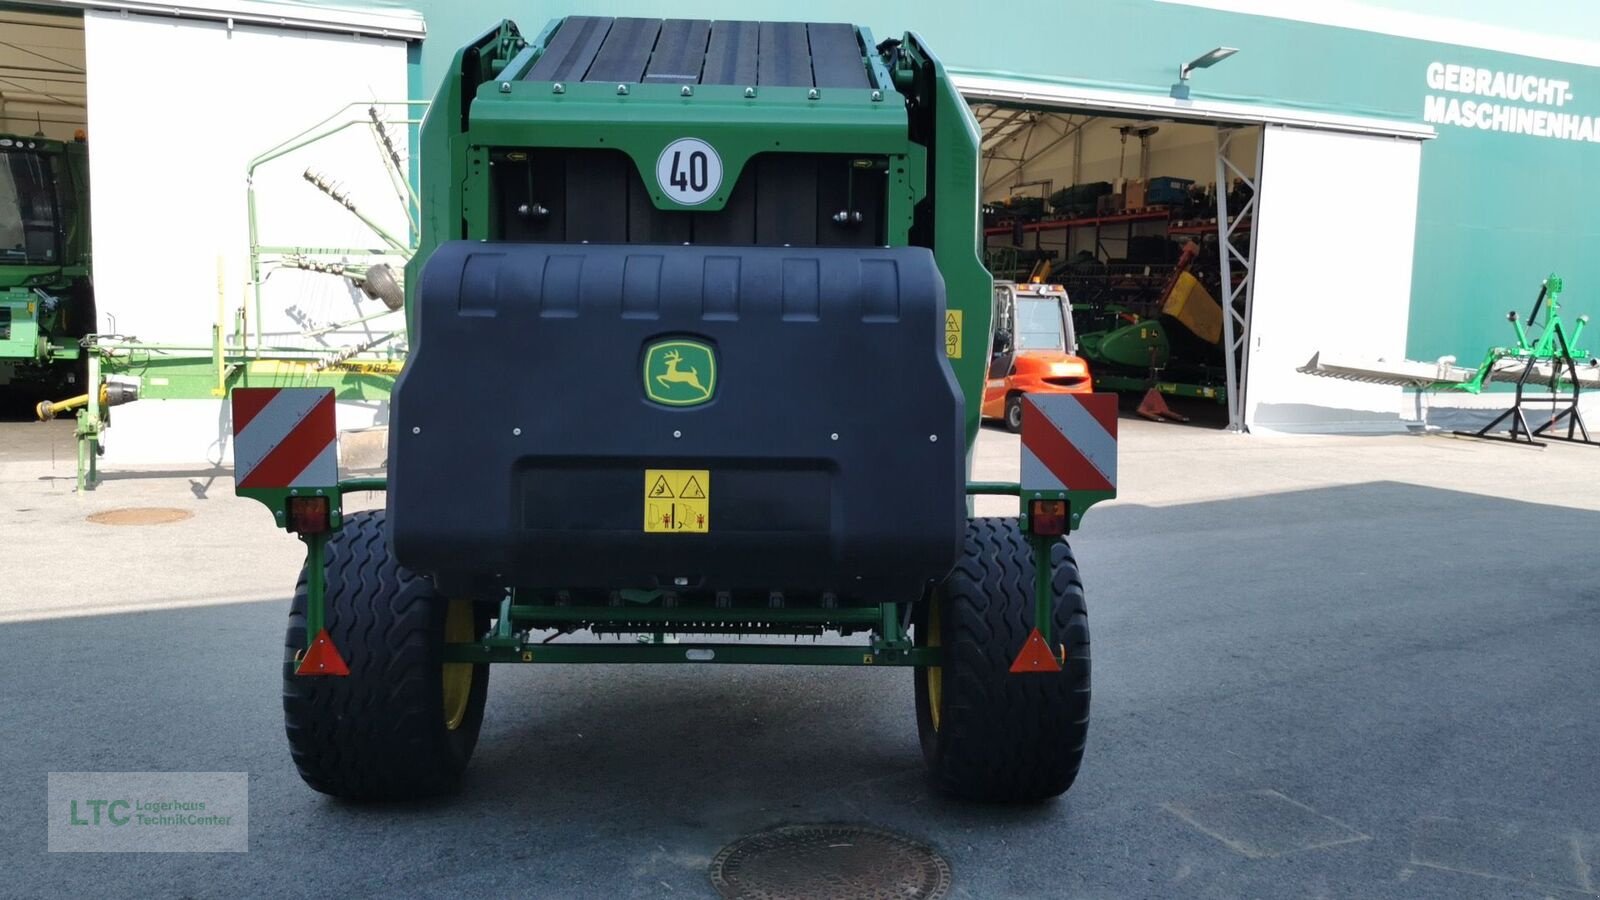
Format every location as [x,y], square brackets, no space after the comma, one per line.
[1414,666]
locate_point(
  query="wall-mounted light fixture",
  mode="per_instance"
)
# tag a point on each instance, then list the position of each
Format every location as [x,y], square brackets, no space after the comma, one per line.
[1180,91]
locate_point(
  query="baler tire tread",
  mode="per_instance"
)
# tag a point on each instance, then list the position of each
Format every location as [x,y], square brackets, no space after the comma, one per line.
[377,733]
[1002,737]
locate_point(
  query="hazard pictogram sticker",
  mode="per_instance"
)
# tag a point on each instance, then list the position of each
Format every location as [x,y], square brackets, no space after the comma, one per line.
[677,501]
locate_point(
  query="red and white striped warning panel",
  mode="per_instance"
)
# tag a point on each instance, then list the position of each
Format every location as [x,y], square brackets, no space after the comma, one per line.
[1069,442]
[284,438]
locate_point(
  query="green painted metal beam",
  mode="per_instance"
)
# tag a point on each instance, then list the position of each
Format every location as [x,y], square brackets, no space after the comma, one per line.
[740,654]
[870,615]
[177,373]
[1139,384]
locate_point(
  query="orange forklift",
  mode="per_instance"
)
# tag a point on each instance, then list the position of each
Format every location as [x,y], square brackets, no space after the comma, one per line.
[1035,349]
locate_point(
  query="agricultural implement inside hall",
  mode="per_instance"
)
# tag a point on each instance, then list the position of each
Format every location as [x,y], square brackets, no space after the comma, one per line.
[1132,353]
[685,247]
[1553,360]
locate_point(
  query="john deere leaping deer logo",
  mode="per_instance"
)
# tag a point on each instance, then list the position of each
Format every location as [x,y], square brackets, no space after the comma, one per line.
[679,372]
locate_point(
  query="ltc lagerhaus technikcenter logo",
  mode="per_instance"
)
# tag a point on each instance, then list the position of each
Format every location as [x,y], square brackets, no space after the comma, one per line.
[148,812]
[680,372]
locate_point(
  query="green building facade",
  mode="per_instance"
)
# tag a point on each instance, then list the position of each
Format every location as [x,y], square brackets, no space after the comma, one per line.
[1501,201]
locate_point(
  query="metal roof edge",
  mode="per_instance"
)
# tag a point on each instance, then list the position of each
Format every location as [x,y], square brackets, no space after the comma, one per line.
[400,24]
[1023,91]
[1416,26]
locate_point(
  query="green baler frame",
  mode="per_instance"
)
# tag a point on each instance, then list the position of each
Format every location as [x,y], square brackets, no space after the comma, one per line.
[485,77]
[891,644]
[912,115]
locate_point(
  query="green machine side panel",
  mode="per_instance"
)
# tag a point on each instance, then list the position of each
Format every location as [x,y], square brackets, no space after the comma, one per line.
[444,145]
[75,206]
[953,139]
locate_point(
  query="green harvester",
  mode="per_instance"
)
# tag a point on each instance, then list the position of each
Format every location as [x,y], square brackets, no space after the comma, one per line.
[46,297]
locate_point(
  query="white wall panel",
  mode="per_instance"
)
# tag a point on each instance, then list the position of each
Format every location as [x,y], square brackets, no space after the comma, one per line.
[1337,222]
[177,109]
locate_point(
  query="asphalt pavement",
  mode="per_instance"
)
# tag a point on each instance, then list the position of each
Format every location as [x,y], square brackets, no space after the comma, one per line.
[1324,667]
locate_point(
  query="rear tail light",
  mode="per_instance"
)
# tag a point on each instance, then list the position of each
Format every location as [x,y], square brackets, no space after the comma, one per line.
[308,515]
[1048,518]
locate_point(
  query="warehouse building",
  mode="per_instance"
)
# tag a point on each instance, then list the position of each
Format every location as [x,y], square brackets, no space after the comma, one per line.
[1373,182]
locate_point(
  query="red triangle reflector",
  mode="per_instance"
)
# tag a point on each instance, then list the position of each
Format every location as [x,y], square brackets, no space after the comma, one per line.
[322,658]
[1035,656]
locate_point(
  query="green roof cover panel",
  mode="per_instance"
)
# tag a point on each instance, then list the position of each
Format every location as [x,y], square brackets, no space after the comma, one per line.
[697,51]
[680,52]
[627,49]
[836,56]
[731,57]
[571,50]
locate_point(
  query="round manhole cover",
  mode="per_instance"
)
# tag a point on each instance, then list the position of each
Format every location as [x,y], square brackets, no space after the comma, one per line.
[140,515]
[800,862]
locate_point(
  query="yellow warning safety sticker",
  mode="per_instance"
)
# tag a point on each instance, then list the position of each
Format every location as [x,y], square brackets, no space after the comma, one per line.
[677,501]
[952,333]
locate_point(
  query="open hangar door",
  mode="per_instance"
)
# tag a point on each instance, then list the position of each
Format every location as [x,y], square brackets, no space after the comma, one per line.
[46,299]
[1124,211]
[1155,214]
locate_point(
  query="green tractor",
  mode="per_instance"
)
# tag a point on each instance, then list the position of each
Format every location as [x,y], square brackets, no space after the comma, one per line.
[46,297]
[727,277]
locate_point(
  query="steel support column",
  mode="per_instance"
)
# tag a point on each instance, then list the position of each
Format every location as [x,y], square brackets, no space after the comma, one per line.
[1236,298]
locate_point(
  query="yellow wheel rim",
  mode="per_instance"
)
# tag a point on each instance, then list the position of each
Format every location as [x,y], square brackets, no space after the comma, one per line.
[458,629]
[934,674]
